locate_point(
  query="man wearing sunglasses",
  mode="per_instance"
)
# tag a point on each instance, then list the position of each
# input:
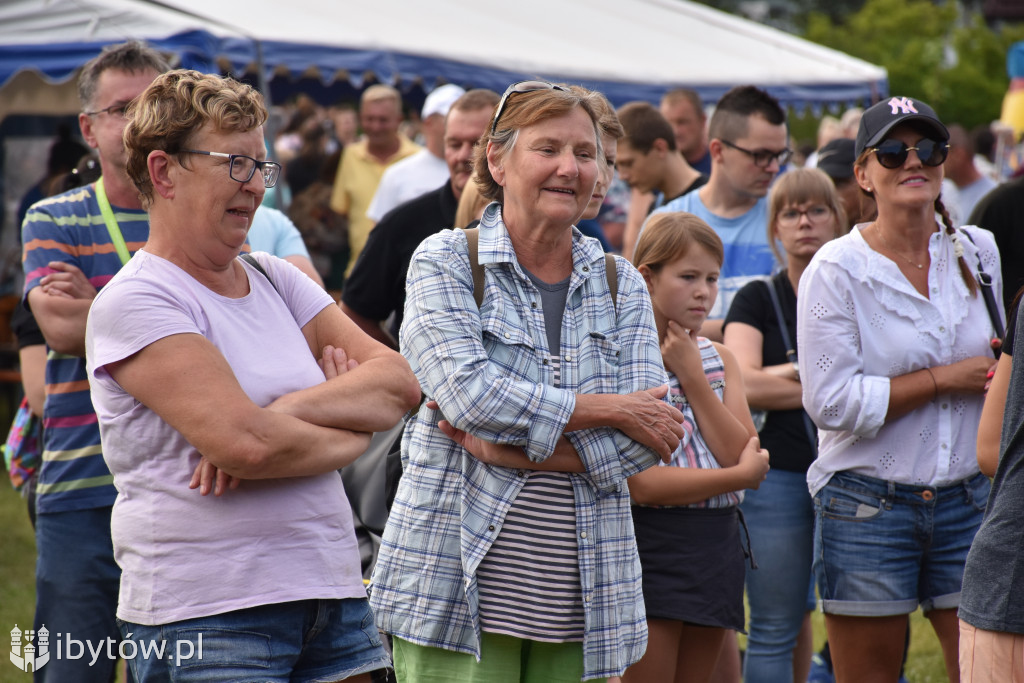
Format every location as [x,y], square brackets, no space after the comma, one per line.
[74,243]
[748,144]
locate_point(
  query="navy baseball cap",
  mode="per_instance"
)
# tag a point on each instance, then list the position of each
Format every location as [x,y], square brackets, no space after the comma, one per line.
[836,159]
[880,118]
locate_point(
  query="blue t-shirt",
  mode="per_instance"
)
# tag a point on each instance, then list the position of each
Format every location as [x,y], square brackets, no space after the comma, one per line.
[273,232]
[745,238]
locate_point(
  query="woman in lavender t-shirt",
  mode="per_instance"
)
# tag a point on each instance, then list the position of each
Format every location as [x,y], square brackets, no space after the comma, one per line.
[208,374]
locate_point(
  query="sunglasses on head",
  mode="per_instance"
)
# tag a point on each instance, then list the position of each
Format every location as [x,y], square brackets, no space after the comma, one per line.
[893,153]
[520,87]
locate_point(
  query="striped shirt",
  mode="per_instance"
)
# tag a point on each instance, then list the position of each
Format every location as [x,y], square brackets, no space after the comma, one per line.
[69,227]
[693,452]
[530,579]
[489,371]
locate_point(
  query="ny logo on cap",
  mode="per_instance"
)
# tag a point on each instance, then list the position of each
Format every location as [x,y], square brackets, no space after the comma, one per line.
[906,106]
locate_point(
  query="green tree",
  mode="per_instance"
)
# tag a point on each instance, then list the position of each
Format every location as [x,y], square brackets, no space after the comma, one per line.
[958,69]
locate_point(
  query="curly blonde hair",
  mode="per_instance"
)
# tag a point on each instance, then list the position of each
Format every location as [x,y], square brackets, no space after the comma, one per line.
[174,108]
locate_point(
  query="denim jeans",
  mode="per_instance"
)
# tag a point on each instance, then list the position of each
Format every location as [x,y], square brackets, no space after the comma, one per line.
[77,583]
[882,548]
[306,641]
[780,517]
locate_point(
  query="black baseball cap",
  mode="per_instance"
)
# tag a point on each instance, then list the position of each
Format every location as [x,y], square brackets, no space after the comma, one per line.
[836,159]
[880,118]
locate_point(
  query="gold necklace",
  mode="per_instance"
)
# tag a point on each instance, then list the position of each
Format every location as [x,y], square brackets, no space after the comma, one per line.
[881,238]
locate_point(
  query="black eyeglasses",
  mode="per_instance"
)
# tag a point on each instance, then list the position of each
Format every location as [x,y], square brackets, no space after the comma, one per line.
[763,158]
[114,110]
[894,153]
[816,214]
[521,87]
[242,168]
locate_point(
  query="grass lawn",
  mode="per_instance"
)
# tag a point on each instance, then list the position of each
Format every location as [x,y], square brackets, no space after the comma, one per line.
[17,598]
[17,575]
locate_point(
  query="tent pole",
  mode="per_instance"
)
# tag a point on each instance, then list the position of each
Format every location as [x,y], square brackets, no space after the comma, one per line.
[261,71]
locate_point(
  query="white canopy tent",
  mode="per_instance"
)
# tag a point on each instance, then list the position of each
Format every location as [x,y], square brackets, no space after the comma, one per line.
[629,49]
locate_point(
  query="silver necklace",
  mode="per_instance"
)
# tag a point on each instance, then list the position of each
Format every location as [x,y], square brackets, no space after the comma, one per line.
[881,237]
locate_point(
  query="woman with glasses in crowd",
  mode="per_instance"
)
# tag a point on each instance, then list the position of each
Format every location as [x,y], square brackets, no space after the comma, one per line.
[509,554]
[805,212]
[215,373]
[894,349]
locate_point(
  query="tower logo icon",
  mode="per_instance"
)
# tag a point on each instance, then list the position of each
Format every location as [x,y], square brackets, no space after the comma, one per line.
[32,654]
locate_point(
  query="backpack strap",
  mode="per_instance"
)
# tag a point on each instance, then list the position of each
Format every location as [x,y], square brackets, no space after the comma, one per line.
[473,244]
[613,278]
[251,260]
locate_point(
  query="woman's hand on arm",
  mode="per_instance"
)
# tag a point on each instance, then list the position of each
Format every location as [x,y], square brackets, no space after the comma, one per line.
[208,478]
[641,415]
[188,383]
[990,427]
[775,387]
[914,389]
[377,391]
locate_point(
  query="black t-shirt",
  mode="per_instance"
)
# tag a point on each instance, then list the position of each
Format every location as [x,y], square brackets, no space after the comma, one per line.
[1002,212]
[784,433]
[376,286]
[25,327]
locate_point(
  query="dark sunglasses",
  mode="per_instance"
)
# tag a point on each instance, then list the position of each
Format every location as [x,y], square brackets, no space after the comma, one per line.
[520,87]
[893,153]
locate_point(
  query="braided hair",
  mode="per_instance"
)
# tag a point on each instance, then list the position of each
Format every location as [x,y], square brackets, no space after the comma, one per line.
[965,271]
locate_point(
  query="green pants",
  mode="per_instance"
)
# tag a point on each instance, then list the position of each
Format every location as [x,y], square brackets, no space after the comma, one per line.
[503,659]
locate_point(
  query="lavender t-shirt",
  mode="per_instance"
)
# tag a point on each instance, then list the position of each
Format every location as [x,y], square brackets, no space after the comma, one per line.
[184,555]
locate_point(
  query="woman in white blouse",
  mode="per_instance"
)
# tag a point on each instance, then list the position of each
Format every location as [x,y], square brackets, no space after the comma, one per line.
[894,348]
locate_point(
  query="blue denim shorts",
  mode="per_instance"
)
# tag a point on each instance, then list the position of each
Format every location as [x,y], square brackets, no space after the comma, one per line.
[882,548]
[307,641]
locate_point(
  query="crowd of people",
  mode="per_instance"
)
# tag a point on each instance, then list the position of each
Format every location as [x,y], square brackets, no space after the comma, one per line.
[762,385]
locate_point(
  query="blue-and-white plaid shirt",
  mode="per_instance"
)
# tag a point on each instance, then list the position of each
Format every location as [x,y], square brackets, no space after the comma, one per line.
[489,371]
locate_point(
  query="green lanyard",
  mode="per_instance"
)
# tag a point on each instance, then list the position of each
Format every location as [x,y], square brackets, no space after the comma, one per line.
[112,227]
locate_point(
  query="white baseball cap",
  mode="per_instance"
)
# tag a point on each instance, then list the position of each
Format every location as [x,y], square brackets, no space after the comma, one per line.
[440,100]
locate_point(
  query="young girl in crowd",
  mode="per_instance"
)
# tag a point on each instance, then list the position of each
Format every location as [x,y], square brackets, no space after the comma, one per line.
[685,514]
[804,212]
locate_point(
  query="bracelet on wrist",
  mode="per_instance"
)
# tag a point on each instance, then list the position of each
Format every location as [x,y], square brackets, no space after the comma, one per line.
[935,384]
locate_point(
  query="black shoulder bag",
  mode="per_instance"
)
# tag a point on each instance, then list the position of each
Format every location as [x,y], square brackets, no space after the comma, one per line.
[812,433]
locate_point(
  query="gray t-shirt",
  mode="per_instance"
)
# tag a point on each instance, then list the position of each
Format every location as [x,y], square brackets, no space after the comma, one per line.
[992,597]
[552,301]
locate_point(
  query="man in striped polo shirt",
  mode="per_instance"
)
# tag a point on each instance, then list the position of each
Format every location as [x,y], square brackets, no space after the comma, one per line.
[74,243]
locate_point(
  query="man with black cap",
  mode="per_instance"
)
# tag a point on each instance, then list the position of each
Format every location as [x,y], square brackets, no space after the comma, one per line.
[836,159]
